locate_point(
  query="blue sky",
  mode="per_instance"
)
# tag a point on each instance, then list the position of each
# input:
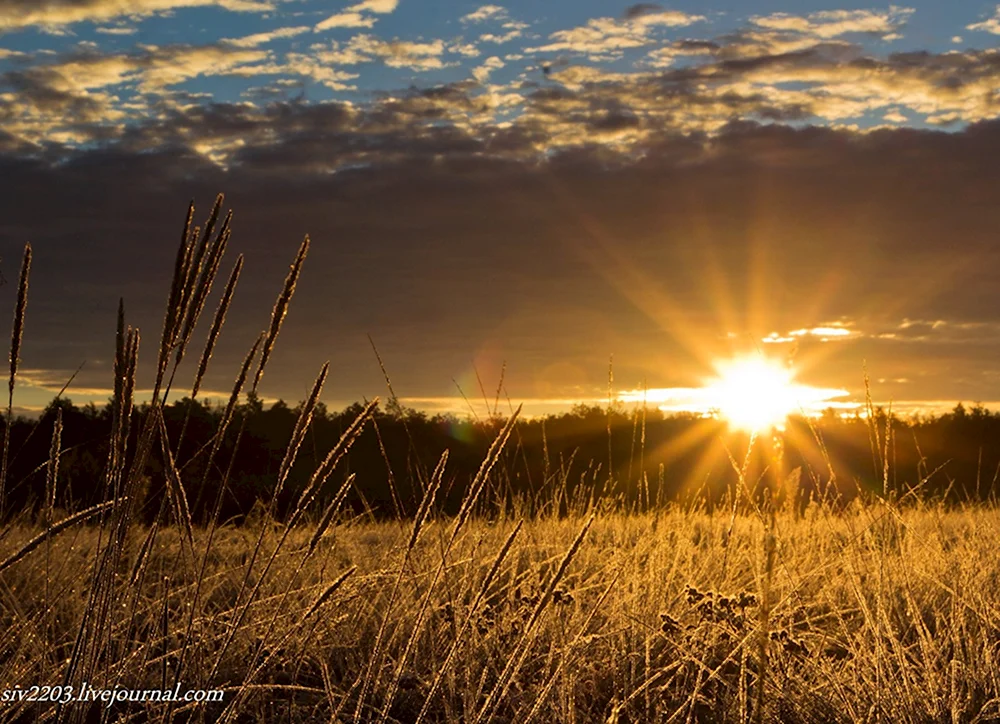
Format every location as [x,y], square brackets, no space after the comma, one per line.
[536,184]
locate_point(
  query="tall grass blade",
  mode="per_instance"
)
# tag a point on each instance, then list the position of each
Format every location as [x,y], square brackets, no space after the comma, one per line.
[16,334]
[279,311]
[54,530]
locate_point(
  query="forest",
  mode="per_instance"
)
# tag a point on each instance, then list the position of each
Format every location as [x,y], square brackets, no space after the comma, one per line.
[634,459]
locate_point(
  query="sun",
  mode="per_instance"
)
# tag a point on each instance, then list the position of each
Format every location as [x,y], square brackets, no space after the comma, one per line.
[753,394]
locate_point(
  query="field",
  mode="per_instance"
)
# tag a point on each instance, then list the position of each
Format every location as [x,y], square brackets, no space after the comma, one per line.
[886,610]
[870,616]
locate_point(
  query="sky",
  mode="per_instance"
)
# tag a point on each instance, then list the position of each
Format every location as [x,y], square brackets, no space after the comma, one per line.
[542,190]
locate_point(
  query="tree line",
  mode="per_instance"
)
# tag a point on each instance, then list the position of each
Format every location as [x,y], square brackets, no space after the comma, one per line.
[634,458]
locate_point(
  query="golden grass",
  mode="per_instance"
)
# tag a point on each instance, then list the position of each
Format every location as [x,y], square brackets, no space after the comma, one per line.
[635,620]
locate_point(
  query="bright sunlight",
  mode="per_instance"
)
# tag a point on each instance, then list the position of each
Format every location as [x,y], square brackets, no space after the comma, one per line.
[754,394]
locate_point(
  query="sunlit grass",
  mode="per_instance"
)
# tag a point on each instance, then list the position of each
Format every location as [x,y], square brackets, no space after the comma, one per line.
[644,621]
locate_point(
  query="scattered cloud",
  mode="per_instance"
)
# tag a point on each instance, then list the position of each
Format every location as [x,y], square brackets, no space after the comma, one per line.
[495,14]
[827,82]
[311,67]
[469,50]
[602,36]
[397,53]
[990,25]
[514,30]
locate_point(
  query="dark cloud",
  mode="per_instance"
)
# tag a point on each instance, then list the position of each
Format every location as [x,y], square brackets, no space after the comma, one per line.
[449,245]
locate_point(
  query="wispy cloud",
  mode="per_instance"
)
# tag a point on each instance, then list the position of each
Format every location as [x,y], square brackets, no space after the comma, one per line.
[601,36]
[55,14]
[834,23]
[355,16]
[396,53]
[375,6]
[346,20]
[484,13]
[510,29]
[257,39]
[117,30]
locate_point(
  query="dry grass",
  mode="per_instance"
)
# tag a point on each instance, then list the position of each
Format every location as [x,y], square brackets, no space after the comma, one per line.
[876,613]
[639,625]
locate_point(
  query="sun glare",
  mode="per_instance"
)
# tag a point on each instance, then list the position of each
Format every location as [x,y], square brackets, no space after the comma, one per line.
[753,394]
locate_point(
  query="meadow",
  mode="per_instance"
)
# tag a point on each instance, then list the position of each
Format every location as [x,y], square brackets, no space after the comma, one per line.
[757,609]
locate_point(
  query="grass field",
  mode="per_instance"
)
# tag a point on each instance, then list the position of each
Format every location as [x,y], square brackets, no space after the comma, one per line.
[870,617]
[879,612]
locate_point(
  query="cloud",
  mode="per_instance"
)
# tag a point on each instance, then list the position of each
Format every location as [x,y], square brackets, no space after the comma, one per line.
[495,13]
[257,39]
[484,13]
[353,17]
[88,95]
[396,53]
[310,67]
[828,24]
[825,333]
[55,14]
[172,65]
[990,25]
[76,99]
[376,6]
[346,20]
[117,30]
[482,72]
[830,83]
[514,30]
[782,33]
[601,36]
[469,50]
[852,223]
